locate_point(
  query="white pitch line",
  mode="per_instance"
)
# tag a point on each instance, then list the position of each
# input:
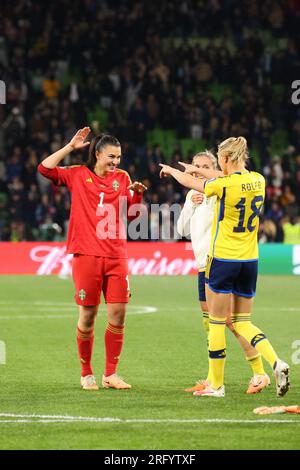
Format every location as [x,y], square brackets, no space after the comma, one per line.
[135,310]
[47,316]
[35,317]
[64,308]
[69,305]
[153,309]
[35,418]
[38,309]
[37,303]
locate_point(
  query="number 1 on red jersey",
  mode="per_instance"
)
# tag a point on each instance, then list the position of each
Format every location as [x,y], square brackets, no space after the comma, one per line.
[101,200]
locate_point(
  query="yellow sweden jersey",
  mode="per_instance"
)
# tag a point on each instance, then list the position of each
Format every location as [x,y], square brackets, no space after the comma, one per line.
[240,197]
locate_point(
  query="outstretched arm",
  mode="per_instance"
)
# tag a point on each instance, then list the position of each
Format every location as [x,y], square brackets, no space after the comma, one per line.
[186,180]
[63,175]
[77,142]
[206,173]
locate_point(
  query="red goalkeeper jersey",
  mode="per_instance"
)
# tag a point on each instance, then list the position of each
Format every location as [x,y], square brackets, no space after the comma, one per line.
[96,227]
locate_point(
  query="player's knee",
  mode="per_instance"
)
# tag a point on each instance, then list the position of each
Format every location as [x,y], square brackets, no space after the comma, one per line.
[89,322]
[117,315]
[119,318]
[87,316]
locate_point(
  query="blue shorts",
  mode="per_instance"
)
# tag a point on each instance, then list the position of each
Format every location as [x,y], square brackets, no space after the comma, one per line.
[236,277]
[201,286]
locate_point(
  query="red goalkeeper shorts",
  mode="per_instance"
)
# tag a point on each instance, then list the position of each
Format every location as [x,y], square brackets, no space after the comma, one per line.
[94,274]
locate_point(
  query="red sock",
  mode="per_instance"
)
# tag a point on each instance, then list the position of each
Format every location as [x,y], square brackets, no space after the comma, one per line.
[85,341]
[114,336]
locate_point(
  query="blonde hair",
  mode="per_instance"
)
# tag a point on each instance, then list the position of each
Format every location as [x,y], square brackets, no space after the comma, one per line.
[209,155]
[236,148]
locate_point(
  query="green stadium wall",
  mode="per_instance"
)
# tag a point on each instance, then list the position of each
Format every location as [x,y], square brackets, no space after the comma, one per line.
[277,258]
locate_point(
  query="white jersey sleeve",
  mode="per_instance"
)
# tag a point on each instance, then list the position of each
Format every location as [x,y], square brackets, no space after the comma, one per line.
[184,220]
[196,220]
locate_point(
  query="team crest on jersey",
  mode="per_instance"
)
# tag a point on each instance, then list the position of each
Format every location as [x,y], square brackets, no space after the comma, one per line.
[82,294]
[115,185]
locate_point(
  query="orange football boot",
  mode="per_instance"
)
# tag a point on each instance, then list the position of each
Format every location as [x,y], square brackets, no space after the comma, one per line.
[114,381]
[200,385]
[258,383]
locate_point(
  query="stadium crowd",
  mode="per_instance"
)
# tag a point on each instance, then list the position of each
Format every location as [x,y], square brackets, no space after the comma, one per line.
[138,70]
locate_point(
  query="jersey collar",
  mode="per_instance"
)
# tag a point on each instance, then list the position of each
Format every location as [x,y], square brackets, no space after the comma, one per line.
[240,173]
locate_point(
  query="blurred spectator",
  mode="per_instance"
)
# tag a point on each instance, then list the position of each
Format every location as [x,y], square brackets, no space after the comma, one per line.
[291,230]
[267,231]
[51,87]
[288,201]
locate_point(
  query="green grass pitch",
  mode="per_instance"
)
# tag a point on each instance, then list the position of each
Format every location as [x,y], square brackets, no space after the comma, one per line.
[164,352]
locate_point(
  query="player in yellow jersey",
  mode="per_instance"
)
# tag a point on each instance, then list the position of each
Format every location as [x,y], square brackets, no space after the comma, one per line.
[233,259]
[196,219]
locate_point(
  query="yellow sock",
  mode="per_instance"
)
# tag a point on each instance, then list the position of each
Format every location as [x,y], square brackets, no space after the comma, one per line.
[217,351]
[254,336]
[256,364]
[205,319]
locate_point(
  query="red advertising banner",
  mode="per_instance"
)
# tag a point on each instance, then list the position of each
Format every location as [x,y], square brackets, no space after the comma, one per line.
[145,258]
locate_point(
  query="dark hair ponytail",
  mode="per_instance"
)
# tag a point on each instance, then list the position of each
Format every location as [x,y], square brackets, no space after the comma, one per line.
[97,144]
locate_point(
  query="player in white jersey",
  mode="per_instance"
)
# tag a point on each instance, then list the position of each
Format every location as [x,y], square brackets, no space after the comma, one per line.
[196,220]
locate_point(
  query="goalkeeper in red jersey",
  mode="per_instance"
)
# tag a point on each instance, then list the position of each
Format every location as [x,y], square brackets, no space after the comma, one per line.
[97,238]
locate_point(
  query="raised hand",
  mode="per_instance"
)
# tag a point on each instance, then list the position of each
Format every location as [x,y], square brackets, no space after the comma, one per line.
[137,187]
[78,141]
[166,170]
[206,173]
[188,168]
